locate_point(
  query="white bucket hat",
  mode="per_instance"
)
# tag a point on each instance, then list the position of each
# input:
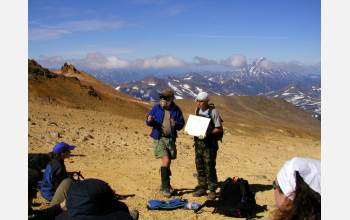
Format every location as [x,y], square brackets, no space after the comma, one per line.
[202,96]
[309,170]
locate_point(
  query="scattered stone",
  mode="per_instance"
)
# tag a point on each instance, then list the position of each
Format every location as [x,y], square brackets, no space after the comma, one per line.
[259,176]
[33,123]
[90,136]
[55,134]
[136,132]
[52,123]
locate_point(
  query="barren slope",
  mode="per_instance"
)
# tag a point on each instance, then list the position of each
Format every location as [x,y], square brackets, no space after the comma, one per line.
[113,141]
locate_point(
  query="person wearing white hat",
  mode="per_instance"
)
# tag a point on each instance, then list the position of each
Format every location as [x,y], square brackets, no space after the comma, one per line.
[297,190]
[206,148]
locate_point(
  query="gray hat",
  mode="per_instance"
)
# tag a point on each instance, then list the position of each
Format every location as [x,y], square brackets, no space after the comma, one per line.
[202,96]
[166,93]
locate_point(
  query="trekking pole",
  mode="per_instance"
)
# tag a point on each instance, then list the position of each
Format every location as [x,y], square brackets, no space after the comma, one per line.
[200,207]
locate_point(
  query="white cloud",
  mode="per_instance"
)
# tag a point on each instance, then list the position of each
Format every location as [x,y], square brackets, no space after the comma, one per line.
[159,62]
[235,61]
[100,61]
[296,67]
[93,61]
[53,61]
[204,61]
[40,32]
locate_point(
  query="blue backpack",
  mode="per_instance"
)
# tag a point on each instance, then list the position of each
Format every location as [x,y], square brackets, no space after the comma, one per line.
[166,205]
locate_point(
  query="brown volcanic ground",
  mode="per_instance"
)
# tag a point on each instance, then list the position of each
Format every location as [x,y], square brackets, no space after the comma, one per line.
[113,141]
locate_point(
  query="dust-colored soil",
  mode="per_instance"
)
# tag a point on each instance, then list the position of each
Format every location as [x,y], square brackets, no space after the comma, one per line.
[118,150]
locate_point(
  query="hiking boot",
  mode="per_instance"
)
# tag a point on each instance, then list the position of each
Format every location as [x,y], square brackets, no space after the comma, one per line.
[134,214]
[211,195]
[166,193]
[165,187]
[171,189]
[200,192]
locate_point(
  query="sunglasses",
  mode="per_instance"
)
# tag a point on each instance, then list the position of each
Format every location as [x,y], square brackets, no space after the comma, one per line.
[165,98]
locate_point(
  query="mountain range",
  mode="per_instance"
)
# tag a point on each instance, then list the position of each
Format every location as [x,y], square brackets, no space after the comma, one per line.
[302,90]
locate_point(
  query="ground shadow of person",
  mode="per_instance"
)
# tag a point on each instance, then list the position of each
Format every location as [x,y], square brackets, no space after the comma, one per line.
[253,188]
[260,187]
[123,197]
[183,191]
[214,204]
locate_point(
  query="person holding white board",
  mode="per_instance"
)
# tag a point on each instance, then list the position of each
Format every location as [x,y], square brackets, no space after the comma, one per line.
[206,148]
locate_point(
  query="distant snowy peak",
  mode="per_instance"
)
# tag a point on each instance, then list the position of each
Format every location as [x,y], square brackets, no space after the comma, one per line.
[305,98]
[301,90]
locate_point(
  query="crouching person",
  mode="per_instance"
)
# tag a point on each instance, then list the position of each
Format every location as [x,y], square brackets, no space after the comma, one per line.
[41,214]
[56,181]
[93,199]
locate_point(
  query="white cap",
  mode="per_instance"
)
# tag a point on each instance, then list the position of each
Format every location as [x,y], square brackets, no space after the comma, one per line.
[309,170]
[202,96]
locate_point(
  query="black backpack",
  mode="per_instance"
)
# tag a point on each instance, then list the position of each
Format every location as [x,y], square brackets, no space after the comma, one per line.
[236,199]
[38,161]
[217,136]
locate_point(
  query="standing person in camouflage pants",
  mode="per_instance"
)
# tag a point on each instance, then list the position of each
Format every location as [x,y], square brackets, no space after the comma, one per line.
[165,119]
[206,148]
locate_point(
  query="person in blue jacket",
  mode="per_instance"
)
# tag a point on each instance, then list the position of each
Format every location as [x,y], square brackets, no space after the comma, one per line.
[56,180]
[166,119]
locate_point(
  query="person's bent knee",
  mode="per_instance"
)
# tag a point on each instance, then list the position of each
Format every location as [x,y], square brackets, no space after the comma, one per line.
[165,161]
[61,192]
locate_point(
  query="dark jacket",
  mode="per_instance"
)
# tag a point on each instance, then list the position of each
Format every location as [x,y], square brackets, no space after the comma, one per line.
[158,113]
[93,199]
[53,175]
[45,214]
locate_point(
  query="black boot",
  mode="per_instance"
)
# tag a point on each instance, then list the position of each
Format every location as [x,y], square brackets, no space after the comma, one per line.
[170,187]
[165,182]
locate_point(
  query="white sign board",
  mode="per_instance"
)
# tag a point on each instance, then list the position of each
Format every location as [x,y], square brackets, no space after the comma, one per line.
[197,125]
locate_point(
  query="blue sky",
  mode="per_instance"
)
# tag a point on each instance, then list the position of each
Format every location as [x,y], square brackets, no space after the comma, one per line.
[173,34]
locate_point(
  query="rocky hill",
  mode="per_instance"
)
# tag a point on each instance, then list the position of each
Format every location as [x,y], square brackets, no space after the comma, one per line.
[76,89]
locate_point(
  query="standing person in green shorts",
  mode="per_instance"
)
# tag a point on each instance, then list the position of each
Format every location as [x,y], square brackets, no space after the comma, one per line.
[166,119]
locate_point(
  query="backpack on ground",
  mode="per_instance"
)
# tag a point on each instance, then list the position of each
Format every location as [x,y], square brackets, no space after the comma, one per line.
[236,199]
[217,136]
[38,161]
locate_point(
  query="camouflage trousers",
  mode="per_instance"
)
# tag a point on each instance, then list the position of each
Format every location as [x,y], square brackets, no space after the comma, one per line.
[206,151]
